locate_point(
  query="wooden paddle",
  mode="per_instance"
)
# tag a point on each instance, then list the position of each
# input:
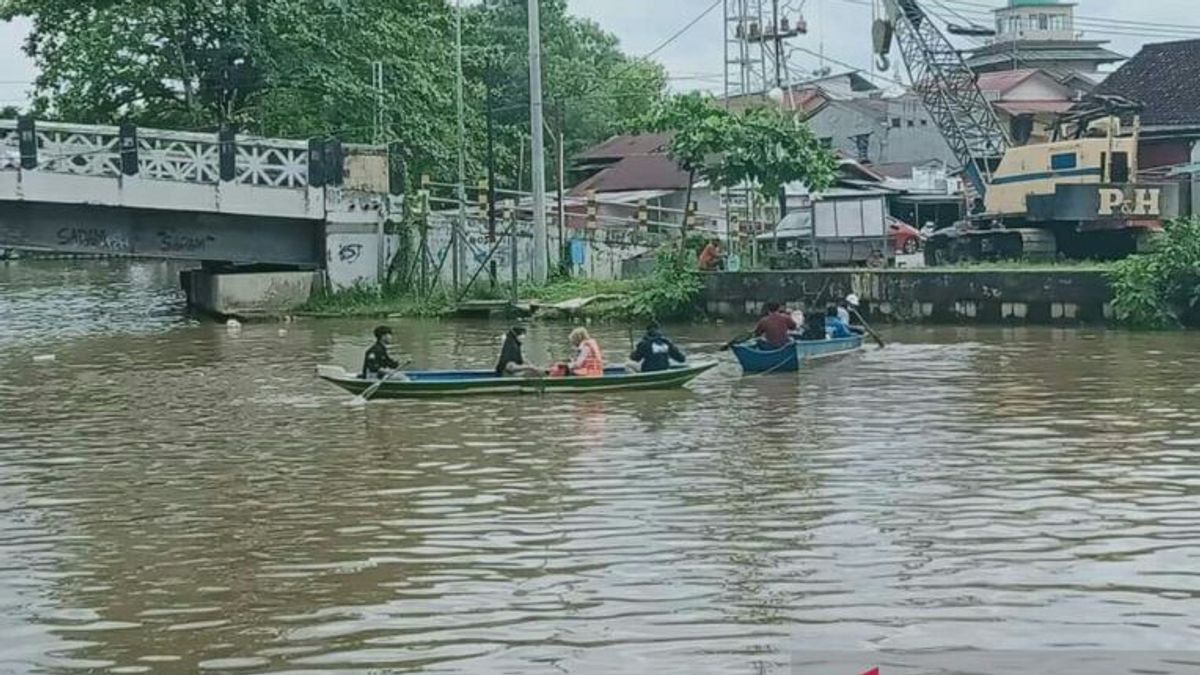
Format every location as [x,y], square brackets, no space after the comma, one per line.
[867,327]
[741,338]
[370,391]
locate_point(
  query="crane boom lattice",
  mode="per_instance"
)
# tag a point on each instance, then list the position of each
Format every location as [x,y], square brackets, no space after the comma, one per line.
[949,92]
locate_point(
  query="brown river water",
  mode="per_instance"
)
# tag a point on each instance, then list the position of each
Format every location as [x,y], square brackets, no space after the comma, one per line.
[177,497]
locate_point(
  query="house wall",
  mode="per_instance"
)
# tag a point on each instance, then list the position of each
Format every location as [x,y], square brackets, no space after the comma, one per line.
[1038,88]
[901,132]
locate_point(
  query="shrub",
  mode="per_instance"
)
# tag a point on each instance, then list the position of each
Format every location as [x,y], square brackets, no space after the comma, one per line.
[1161,288]
[670,292]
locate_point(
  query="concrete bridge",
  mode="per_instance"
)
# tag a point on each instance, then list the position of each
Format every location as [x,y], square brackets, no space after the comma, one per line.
[218,198]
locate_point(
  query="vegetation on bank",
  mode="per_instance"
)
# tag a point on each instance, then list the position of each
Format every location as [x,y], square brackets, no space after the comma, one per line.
[670,292]
[1161,289]
[304,69]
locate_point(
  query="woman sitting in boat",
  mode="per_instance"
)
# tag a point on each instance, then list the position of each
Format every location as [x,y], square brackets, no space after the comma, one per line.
[512,360]
[835,327]
[654,352]
[589,360]
[774,329]
[377,363]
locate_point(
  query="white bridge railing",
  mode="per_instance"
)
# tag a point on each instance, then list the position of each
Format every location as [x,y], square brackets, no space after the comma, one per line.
[188,157]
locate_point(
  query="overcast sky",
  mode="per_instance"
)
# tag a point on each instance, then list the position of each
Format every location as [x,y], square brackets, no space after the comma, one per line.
[839,28]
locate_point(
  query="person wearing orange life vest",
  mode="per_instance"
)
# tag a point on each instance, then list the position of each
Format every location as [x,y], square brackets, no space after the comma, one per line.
[589,360]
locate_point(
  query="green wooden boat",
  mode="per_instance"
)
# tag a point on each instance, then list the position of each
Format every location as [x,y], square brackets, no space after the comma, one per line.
[448,383]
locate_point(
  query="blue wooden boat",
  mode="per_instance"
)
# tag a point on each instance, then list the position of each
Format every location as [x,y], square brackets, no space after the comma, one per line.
[790,357]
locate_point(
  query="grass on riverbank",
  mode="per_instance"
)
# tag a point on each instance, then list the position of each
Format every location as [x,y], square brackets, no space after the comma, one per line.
[361,301]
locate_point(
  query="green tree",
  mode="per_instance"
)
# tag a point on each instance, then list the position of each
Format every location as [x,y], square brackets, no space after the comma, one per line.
[764,147]
[304,68]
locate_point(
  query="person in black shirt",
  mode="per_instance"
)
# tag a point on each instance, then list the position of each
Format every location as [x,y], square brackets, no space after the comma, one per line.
[512,360]
[654,352]
[377,363]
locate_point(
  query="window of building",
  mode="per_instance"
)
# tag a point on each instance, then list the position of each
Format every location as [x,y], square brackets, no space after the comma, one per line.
[1000,26]
[924,123]
[1043,22]
[1014,24]
[1063,161]
[895,122]
[1057,23]
[911,124]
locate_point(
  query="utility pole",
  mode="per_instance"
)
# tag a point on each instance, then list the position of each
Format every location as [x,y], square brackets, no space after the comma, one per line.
[538,150]
[491,170]
[562,174]
[456,233]
[777,39]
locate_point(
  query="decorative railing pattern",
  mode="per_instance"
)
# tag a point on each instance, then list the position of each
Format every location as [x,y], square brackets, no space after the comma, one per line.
[161,155]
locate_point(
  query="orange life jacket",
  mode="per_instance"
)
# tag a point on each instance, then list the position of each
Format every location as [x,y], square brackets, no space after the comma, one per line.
[593,366]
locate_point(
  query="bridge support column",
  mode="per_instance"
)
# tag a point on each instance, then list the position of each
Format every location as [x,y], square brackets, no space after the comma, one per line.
[248,295]
[358,250]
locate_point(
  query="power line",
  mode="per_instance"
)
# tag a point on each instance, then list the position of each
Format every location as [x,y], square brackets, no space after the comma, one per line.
[1091,19]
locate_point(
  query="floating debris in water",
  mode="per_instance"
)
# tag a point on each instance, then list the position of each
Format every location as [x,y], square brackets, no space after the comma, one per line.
[44,358]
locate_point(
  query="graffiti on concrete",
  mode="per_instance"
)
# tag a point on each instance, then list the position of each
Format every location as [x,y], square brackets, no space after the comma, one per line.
[171,242]
[96,238]
[349,253]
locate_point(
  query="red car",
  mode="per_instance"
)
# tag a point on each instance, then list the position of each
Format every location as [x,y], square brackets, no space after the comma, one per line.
[905,237]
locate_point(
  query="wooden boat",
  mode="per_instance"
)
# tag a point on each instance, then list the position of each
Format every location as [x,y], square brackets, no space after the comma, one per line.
[790,357]
[439,383]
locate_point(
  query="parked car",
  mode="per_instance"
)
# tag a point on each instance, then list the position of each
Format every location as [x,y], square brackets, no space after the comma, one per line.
[905,237]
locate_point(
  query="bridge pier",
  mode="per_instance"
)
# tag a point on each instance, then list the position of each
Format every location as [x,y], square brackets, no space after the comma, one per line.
[248,294]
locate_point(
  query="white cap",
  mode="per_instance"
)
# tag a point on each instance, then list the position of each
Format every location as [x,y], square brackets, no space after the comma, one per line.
[852,300]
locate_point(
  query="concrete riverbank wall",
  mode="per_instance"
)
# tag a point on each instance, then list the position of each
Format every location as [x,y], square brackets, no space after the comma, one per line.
[922,295]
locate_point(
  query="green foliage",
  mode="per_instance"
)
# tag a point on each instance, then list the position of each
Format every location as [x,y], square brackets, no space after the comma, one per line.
[1162,288]
[303,68]
[669,293]
[362,300]
[764,147]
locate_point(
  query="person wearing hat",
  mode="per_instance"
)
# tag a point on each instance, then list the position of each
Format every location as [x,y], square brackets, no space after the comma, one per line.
[512,359]
[377,363]
[845,307]
[654,352]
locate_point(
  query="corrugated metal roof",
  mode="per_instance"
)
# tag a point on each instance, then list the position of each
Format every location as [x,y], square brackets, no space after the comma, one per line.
[625,145]
[638,172]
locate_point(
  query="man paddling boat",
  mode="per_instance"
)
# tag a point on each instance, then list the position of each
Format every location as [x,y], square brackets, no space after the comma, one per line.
[377,363]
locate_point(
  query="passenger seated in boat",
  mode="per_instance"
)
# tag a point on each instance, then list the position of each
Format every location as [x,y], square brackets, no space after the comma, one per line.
[377,363]
[814,327]
[512,360]
[589,360]
[835,327]
[654,352]
[774,329]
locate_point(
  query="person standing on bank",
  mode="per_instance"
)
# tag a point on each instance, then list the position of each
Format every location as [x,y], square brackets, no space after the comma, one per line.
[654,352]
[377,363]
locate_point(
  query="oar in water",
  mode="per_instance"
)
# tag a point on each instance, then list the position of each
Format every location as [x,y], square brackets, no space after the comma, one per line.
[370,391]
[741,338]
[867,327]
